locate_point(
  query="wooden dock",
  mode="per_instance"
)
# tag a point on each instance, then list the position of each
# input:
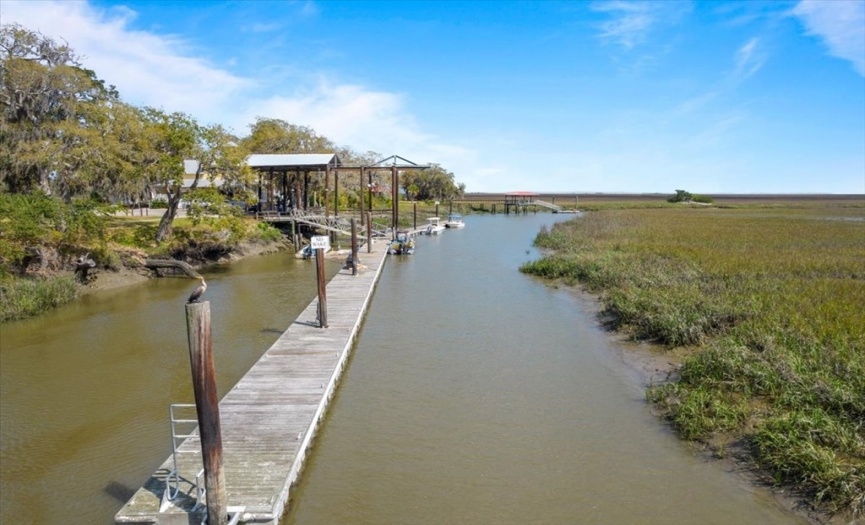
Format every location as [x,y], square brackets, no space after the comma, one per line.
[269,418]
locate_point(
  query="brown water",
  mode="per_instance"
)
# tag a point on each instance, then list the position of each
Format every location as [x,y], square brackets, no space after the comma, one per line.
[85,389]
[475,395]
[478,395]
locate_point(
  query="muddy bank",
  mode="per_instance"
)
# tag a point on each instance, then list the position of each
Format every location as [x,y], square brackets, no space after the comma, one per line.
[132,270]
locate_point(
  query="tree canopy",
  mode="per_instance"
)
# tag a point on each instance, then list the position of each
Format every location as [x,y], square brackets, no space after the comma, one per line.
[435,183]
[66,134]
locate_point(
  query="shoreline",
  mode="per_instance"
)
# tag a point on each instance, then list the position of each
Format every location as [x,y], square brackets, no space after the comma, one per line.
[107,279]
[647,363]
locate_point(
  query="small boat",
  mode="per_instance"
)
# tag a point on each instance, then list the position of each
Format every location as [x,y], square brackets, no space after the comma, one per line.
[435,227]
[455,220]
[402,245]
[305,253]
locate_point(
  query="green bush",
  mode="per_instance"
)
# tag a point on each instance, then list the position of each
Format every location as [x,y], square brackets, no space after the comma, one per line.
[34,221]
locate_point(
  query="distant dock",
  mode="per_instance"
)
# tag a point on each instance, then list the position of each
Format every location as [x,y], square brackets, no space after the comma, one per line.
[270,417]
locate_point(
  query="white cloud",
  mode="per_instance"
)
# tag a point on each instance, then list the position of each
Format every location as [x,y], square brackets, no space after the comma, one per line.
[749,59]
[841,26]
[630,23]
[363,119]
[159,70]
[148,69]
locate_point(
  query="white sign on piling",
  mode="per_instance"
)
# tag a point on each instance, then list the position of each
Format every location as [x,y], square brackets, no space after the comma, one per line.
[319,242]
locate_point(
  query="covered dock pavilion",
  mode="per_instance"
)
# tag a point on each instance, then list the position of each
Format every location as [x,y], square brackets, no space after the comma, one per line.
[284,181]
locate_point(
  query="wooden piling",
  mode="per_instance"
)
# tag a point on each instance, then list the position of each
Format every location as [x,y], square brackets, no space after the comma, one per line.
[322,288]
[353,247]
[207,409]
[368,233]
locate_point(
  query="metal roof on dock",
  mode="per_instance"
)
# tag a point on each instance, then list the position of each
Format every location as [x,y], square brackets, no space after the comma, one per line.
[284,161]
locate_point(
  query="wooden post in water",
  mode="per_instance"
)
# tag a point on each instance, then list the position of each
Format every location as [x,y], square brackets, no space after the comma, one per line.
[368,233]
[207,408]
[322,288]
[353,247]
[437,208]
[414,216]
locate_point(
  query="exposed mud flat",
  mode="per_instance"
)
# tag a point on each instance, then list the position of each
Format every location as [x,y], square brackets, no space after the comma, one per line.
[132,270]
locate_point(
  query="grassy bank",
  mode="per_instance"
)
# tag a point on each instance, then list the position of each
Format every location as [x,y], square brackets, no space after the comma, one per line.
[20,298]
[41,238]
[769,301]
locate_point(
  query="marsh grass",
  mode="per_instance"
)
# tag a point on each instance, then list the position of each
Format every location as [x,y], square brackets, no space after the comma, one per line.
[771,303]
[20,298]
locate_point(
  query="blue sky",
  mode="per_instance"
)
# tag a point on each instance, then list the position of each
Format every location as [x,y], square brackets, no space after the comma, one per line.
[601,96]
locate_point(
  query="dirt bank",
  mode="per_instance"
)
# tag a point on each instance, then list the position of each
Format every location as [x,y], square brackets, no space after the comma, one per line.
[132,270]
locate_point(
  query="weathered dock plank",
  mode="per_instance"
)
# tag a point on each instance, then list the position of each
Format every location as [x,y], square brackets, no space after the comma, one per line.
[270,416]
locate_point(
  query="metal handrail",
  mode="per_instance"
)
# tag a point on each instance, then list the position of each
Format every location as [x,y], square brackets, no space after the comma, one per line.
[176,439]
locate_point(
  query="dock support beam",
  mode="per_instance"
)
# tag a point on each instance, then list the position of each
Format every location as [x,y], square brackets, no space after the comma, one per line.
[207,409]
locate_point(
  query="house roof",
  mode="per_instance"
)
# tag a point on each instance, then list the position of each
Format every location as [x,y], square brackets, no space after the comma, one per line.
[190,167]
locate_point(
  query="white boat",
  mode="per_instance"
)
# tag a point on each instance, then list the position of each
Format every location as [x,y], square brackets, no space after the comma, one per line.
[435,226]
[455,220]
[402,245]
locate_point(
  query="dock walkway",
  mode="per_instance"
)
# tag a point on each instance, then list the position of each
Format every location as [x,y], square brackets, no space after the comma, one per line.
[270,416]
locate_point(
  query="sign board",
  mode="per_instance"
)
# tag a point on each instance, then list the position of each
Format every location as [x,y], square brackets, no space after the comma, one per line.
[319,242]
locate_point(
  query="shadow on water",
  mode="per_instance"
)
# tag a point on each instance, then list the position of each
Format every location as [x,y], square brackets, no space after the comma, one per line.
[119,491]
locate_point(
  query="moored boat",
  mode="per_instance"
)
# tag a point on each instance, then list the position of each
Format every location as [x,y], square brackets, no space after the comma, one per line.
[435,226]
[402,245]
[455,220]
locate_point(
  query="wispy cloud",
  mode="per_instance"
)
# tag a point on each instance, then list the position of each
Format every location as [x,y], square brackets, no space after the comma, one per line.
[631,22]
[262,28]
[841,26]
[749,59]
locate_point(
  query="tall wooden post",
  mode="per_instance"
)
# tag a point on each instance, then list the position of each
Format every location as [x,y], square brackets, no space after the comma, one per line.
[414,216]
[394,190]
[335,193]
[437,208]
[368,233]
[370,193]
[360,192]
[207,408]
[322,288]
[353,247]
[326,189]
